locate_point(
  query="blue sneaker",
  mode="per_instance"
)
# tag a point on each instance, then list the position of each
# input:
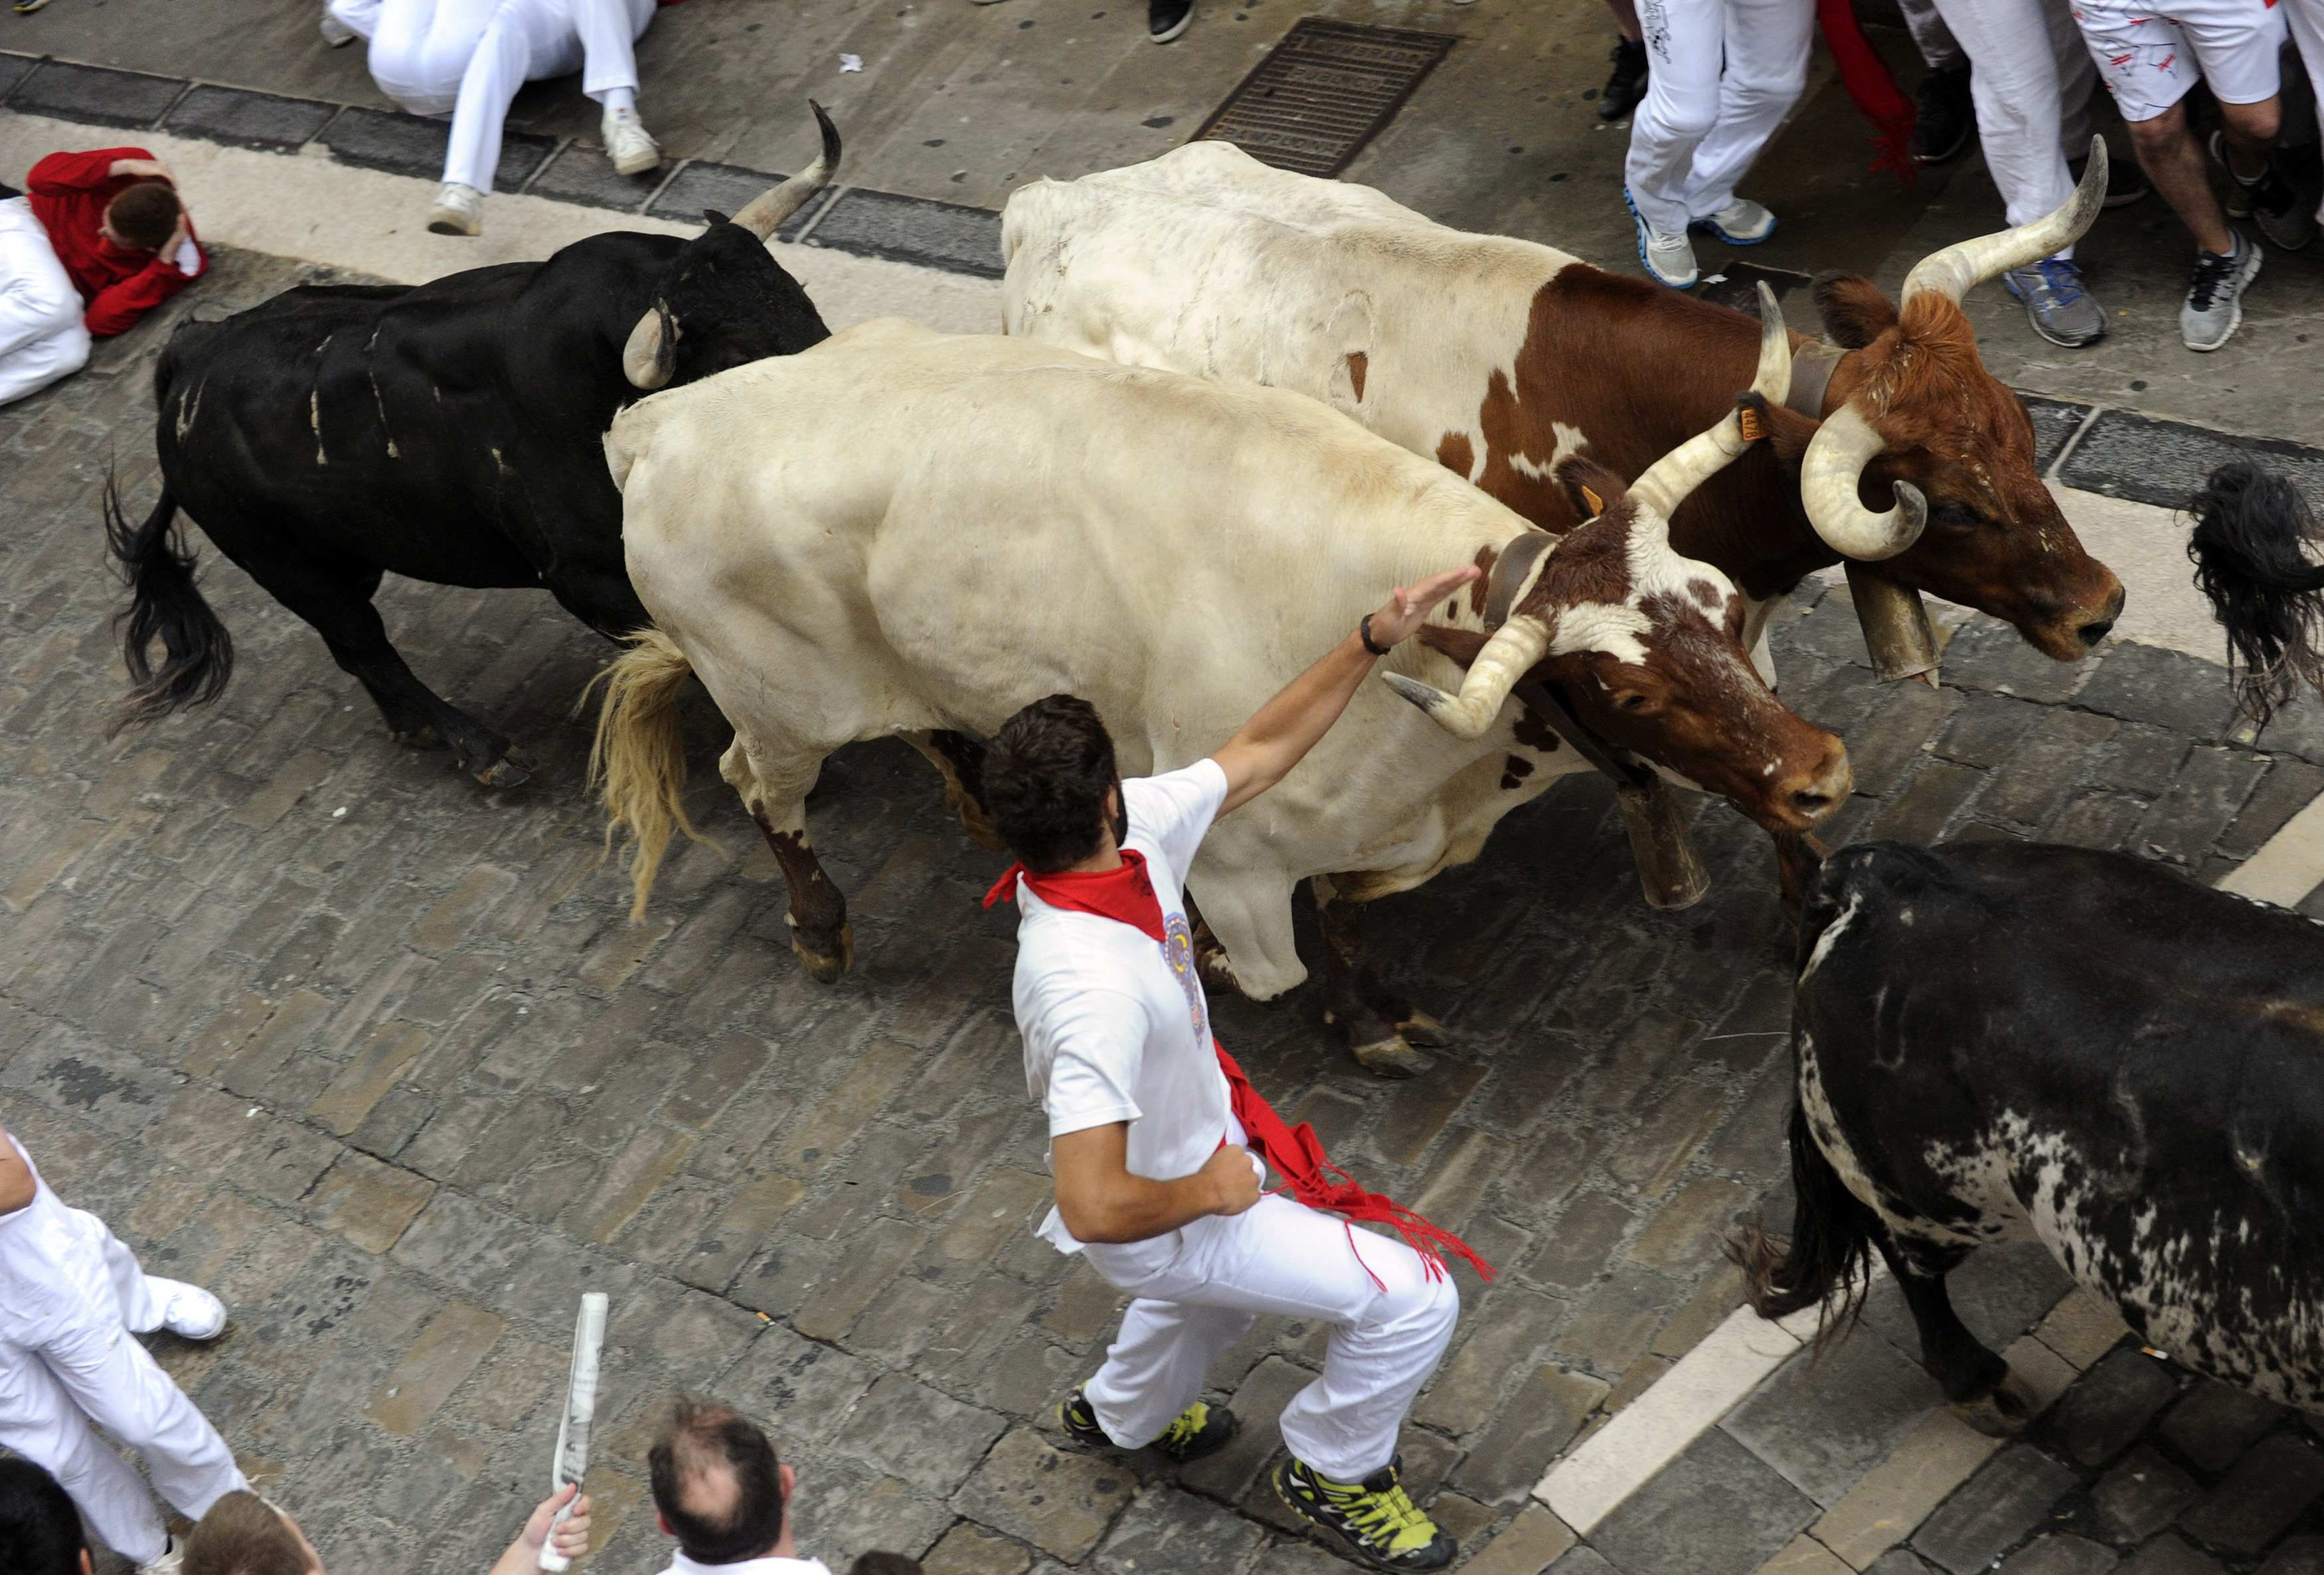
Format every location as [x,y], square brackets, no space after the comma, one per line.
[1668,259]
[1741,223]
[2061,311]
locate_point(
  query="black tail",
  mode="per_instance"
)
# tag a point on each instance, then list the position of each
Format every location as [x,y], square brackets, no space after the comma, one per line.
[1829,1253]
[2249,525]
[158,567]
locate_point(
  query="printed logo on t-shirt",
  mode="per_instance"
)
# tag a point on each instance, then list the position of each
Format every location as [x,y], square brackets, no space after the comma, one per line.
[1178,955]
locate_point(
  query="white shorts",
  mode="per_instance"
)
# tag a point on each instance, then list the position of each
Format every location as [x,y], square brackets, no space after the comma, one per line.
[2149,57]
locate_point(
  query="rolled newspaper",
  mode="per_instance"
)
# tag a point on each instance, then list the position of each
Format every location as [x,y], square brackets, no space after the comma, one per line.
[571,1460]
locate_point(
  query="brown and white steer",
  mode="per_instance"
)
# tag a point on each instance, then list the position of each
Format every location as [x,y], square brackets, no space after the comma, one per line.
[901,531]
[1500,357]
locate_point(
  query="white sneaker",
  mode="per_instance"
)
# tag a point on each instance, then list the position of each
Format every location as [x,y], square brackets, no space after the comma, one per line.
[187,1311]
[334,32]
[1741,223]
[460,210]
[172,1560]
[1668,258]
[630,150]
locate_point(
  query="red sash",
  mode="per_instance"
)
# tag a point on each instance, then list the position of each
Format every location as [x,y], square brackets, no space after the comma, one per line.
[1126,895]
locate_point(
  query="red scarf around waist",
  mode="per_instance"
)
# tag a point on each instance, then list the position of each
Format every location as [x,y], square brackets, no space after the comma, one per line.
[1126,895]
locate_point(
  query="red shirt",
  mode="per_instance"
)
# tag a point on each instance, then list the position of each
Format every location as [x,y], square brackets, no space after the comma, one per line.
[68,193]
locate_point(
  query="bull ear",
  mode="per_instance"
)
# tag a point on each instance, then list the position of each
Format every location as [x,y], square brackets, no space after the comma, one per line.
[1854,311]
[1590,487]
[713,218]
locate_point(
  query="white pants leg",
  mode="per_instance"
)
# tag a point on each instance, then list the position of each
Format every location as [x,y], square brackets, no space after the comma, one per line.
[39,1421]
[1199,1289]
[422,49]
[360,17]
[1931,36]
[503,62]
[41,339]
[608,31]
[1724,74]
[2022,55]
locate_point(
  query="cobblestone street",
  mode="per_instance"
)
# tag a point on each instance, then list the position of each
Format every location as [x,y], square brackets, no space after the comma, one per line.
[377,1054]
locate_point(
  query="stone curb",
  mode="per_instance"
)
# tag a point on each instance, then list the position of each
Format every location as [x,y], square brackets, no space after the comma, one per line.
[947,236]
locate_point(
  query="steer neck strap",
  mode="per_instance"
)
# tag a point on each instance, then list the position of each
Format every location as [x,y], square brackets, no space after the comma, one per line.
[1812,364]
[1512,572]
[1544,703]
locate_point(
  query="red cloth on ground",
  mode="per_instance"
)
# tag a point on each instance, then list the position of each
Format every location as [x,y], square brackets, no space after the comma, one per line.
[1126,895]
[69,194]
[1867,78]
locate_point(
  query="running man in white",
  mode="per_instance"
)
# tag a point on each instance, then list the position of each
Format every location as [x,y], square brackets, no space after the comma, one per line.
[1722,76]
[71,1299]
[1147,1134]
[467,58]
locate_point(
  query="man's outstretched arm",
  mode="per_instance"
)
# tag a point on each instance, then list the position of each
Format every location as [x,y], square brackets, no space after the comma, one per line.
[1278,736]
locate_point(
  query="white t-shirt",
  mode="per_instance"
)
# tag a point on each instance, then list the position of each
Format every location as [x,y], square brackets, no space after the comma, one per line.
[1115,1024]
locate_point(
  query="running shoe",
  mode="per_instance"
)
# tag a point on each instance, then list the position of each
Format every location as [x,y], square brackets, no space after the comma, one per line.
[628,145]
[334,32]
[1668,259]
[1376,1516]
[1200,1430]
[1167,19]
[1741,223]
[2061,311]
[1628,83]
[1942,115]
[2270,199]
[2215,295]
[188,1312]
[460,210]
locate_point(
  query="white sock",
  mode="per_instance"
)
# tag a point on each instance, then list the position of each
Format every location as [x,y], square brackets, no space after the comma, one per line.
[618,99]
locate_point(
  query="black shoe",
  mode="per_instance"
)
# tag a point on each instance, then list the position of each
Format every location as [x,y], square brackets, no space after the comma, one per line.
[1382,1525]
[1199,1430]
[1167,19]
[2269,200]
[2126,181]
[1627,85]
[1943,115]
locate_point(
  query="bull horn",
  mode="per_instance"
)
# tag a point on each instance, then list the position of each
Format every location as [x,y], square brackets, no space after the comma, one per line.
[1670,479]
[650,356]
[1511,652]
[769,211]
[1966,264]
[1829,474]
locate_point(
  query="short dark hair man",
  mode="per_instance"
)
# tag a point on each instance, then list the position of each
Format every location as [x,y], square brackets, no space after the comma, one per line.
[39,1526]
[718,1489]
[1153,1182]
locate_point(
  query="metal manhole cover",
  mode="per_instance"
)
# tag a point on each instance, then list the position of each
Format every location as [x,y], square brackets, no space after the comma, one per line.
[1323,92]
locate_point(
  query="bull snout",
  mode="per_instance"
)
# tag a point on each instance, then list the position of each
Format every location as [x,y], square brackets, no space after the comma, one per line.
[1801,797]
[2097,628]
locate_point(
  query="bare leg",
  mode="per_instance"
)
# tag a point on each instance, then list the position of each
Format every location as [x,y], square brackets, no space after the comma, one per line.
[2167,151]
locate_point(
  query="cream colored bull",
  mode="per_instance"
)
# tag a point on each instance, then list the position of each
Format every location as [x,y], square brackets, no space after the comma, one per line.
[899,532]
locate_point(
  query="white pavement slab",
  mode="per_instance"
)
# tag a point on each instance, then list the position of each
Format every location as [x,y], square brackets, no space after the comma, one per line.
[310,206]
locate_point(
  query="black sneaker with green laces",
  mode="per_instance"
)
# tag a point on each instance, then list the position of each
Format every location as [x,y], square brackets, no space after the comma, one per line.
[1382,1524]
[1197,1430]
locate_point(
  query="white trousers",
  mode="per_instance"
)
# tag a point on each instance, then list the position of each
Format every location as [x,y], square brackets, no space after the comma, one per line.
[1200,1288]
[1723,76]
[468,57]
[88,1372]
[1931,36]
[2031,79]
[41,339]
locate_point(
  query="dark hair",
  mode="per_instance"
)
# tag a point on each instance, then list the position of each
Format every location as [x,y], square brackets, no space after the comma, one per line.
[703,1438]
[883,1564]
[243,1535]
[145,215]
[2250,525]
[1045,782]
[37,1519]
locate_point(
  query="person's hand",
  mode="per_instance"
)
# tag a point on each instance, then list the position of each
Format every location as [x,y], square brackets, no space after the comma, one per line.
[179,236]
[140,169]
[572,1537]
[1410,607]
[1234,1179]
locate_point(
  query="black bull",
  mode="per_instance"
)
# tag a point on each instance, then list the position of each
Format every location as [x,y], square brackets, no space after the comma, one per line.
[1999,1040]
[451,432]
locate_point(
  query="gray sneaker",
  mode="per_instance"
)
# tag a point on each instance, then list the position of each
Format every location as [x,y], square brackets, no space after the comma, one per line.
[2060,310]
[2215,295]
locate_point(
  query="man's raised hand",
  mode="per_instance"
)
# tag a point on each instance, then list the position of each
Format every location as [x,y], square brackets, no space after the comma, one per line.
[1408,608]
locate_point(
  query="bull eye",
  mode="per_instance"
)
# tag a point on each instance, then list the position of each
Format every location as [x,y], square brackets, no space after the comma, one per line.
[1629,700]
[1958,517]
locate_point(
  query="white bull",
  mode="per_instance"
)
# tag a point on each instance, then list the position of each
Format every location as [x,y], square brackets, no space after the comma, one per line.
[900,532]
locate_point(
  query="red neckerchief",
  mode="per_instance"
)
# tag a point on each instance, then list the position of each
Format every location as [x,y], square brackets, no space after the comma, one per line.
[1126,895]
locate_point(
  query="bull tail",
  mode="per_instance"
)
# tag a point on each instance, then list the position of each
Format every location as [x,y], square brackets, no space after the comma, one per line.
[637,761]
[165,604]
[2250,523]
[1829,1255]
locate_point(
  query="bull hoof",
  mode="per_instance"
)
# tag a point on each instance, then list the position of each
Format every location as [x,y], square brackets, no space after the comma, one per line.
[2001,1414]
[509,771]
[1425,1031]
[825,967]
[1392,1057]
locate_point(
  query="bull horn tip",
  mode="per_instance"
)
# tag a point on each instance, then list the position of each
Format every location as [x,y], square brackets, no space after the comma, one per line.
[1427,696]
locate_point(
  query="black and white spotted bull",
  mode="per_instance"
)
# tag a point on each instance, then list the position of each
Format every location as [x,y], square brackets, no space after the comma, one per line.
[2003,1040]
